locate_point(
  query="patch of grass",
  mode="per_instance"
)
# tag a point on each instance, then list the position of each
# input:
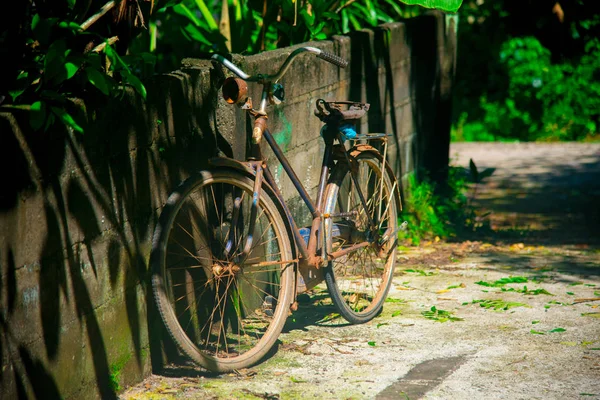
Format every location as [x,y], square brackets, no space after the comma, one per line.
[420,272]
[462,285]
[438,315]
[503,281]
[555,330]
[393,300]
[526,291]
[498,304]
[591,314]
[439,211]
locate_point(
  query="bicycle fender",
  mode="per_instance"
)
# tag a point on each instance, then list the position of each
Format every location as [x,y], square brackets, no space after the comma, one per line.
[361,148]
[224,162]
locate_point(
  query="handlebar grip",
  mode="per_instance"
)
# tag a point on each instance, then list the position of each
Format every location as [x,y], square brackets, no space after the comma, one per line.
[332,58]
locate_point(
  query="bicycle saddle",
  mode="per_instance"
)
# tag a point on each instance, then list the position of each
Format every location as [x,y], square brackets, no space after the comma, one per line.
[332,112]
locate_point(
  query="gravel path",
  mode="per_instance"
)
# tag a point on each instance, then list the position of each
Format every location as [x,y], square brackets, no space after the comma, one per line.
[516,311]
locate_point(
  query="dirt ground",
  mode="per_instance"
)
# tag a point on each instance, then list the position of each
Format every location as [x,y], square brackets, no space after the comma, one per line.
[509,313]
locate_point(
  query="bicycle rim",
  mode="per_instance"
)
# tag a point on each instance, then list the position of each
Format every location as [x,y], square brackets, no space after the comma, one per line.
[223,307]
[359,281]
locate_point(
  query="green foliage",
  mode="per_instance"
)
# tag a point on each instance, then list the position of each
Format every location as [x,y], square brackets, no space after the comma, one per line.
[498,304]
[438,315]
[434,213]
[545,101]
[56,67]
[190,28]
[503,281]
[445,5]
[537,82]
[420,272]
[56,62]
[527,291]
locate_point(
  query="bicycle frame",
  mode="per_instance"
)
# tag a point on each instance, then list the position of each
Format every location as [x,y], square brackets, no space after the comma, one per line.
[310,262]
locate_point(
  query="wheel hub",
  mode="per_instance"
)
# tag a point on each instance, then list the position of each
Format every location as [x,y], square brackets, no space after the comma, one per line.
[221,270]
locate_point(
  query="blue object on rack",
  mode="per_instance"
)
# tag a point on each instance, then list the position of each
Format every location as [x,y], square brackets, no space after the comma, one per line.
[348,132]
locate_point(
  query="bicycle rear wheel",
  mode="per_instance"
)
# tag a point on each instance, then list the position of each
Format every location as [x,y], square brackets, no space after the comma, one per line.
[223,307]
[359,281]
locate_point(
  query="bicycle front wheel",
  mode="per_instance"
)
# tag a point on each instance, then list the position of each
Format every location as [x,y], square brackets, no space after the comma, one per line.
[359,280]
[222,271]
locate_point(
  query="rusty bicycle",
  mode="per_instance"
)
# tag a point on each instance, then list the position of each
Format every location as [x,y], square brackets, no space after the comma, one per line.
[228,259]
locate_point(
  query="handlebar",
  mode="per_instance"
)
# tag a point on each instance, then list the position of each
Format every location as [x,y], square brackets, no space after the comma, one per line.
[332,58]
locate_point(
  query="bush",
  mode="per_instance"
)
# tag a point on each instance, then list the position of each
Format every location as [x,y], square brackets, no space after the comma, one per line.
[542,101]
[432,212]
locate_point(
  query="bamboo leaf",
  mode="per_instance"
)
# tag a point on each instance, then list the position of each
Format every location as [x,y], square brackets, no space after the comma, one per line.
[212,24]
[97,79]
[444,5]
[67,119]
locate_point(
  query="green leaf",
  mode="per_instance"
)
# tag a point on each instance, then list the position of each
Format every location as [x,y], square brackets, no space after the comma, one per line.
[67,119]
[537,332]
[296,380]
[420,272]
[37,115]
[54,63]
[71,70]
[462,285]
[212,24]
[196,34]
[41,28]
[22,83]
[393,300]
[591,314]
[382,324]
[117,62]
[503,281]
[498,304]
[444,5]
[557,330]
[440,315]
[535,322]
[70,25]
[372,344]
[98,79]
[396,313]
[571,293]
[136,83]
[181,9]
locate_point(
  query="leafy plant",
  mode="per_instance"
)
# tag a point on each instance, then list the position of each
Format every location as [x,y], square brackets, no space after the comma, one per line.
[522,77]
[555,330]
[526,291]
[420,272]
[498,304]
[189,28]
[438,315]
[55,67]
[432,212]
[503,281]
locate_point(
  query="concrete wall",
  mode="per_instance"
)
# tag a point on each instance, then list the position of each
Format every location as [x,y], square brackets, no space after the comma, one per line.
[77,212]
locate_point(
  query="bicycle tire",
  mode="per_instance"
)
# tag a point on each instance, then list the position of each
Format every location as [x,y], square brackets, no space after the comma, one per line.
[222,315]
[359,282]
